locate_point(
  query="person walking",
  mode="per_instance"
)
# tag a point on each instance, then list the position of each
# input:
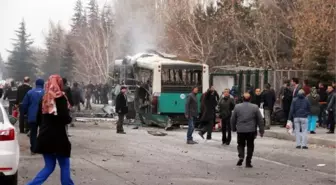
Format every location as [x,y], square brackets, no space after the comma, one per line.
[245,119]
[77,97]
[30,106]
[191,113]
[331,109]
[287,99]
[226,105]
[313,99]
[121,109]
[68,94]
[21,92]
[11,95]
[209,104]
[88,95]
[322,91]
[52,141]
[299,112]
[268,101]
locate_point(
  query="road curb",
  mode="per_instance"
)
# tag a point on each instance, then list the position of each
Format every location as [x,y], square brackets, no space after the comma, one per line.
[311,140]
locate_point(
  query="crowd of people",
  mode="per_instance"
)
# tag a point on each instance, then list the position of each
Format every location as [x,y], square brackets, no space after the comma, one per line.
[304,108]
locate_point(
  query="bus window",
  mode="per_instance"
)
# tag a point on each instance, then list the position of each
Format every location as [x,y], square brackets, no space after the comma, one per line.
[179,79]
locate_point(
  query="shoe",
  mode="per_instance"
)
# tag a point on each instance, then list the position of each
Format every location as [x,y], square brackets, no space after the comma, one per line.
[191,142]
[312,132]
[72,125]
[227,143]
[305,147]
[121,132]
[248,165]
[240,162]
[267,128]
[200,134]
[298,147]
[330,132]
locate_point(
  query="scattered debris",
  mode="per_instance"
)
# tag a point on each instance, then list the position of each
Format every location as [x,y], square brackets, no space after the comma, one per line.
[321,165]
[156,133]
[136,127]
[118,155]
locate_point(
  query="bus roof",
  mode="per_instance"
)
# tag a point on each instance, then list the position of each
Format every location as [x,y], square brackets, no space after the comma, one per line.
[152,60]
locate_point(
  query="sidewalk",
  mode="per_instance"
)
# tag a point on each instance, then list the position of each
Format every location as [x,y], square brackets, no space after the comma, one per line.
[320,138]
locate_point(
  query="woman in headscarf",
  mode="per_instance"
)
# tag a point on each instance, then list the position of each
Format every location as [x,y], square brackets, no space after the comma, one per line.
[53,142]
[314,99]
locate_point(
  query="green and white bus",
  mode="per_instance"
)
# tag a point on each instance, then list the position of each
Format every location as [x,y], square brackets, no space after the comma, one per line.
[164,84]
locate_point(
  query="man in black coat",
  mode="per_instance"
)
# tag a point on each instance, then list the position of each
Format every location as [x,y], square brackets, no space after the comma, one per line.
[11,95]
[21,92]
[67,91]
[121,109]
[268,101]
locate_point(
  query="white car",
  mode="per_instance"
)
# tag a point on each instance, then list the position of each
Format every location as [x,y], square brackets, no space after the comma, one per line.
[9,149]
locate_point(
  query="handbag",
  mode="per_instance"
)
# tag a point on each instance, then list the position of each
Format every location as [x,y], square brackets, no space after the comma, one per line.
[289,127]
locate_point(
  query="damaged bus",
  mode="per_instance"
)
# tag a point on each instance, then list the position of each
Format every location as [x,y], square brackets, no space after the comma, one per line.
[163,86]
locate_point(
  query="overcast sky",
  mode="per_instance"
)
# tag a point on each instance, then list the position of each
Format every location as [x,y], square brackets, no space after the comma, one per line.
[37,14]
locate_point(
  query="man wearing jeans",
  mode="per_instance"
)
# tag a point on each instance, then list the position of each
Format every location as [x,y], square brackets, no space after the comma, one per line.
[299,112]
[30,106]
[191,113]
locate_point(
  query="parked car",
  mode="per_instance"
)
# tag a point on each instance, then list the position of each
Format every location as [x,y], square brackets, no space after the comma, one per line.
[9,149]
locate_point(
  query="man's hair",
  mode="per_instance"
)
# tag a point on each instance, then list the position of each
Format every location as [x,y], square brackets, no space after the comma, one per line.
[194,88]
[26,79]
[301,91]
[268,86]
[246,97]
[226,89]
[295,80]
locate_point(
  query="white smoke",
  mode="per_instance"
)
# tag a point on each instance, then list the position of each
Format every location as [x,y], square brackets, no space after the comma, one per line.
[137,24]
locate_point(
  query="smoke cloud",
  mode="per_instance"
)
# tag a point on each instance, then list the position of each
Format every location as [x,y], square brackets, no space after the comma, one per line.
[138,26]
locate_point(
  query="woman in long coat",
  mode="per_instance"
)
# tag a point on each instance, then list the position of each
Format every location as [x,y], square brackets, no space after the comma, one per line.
[53,142]
[209,103]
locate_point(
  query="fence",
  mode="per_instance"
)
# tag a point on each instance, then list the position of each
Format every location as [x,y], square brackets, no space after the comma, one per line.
[257,77]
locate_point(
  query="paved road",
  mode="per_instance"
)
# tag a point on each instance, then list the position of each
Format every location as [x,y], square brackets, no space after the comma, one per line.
[100,157]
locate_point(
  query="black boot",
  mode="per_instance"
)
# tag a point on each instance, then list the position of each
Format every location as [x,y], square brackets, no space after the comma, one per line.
[248,165]
[240,162]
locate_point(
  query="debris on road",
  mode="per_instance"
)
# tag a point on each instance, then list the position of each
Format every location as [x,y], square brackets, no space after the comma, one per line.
[156,133]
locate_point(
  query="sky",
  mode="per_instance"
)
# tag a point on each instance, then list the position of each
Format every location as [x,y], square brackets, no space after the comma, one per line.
[37,14]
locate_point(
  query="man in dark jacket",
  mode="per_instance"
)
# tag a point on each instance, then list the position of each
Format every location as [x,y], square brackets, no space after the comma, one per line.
[331,109]
[209,104]
[322,91]
[245,119]
[226,105]
[21,92]
[257,98]
[191,113]
[299,112]
[1,91]
[11,94]
[77,97]
[30,106]
[67,91]
[268,101]
[88,95]
[296,86]
[121,109]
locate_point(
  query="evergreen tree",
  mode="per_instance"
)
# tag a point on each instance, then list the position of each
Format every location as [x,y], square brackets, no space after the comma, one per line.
[55,46]
[20,63]
[77,18]
[319,68]
[93,13]
[67,63]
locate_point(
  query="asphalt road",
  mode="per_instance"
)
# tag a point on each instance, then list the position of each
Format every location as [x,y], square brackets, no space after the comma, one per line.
[101,157]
